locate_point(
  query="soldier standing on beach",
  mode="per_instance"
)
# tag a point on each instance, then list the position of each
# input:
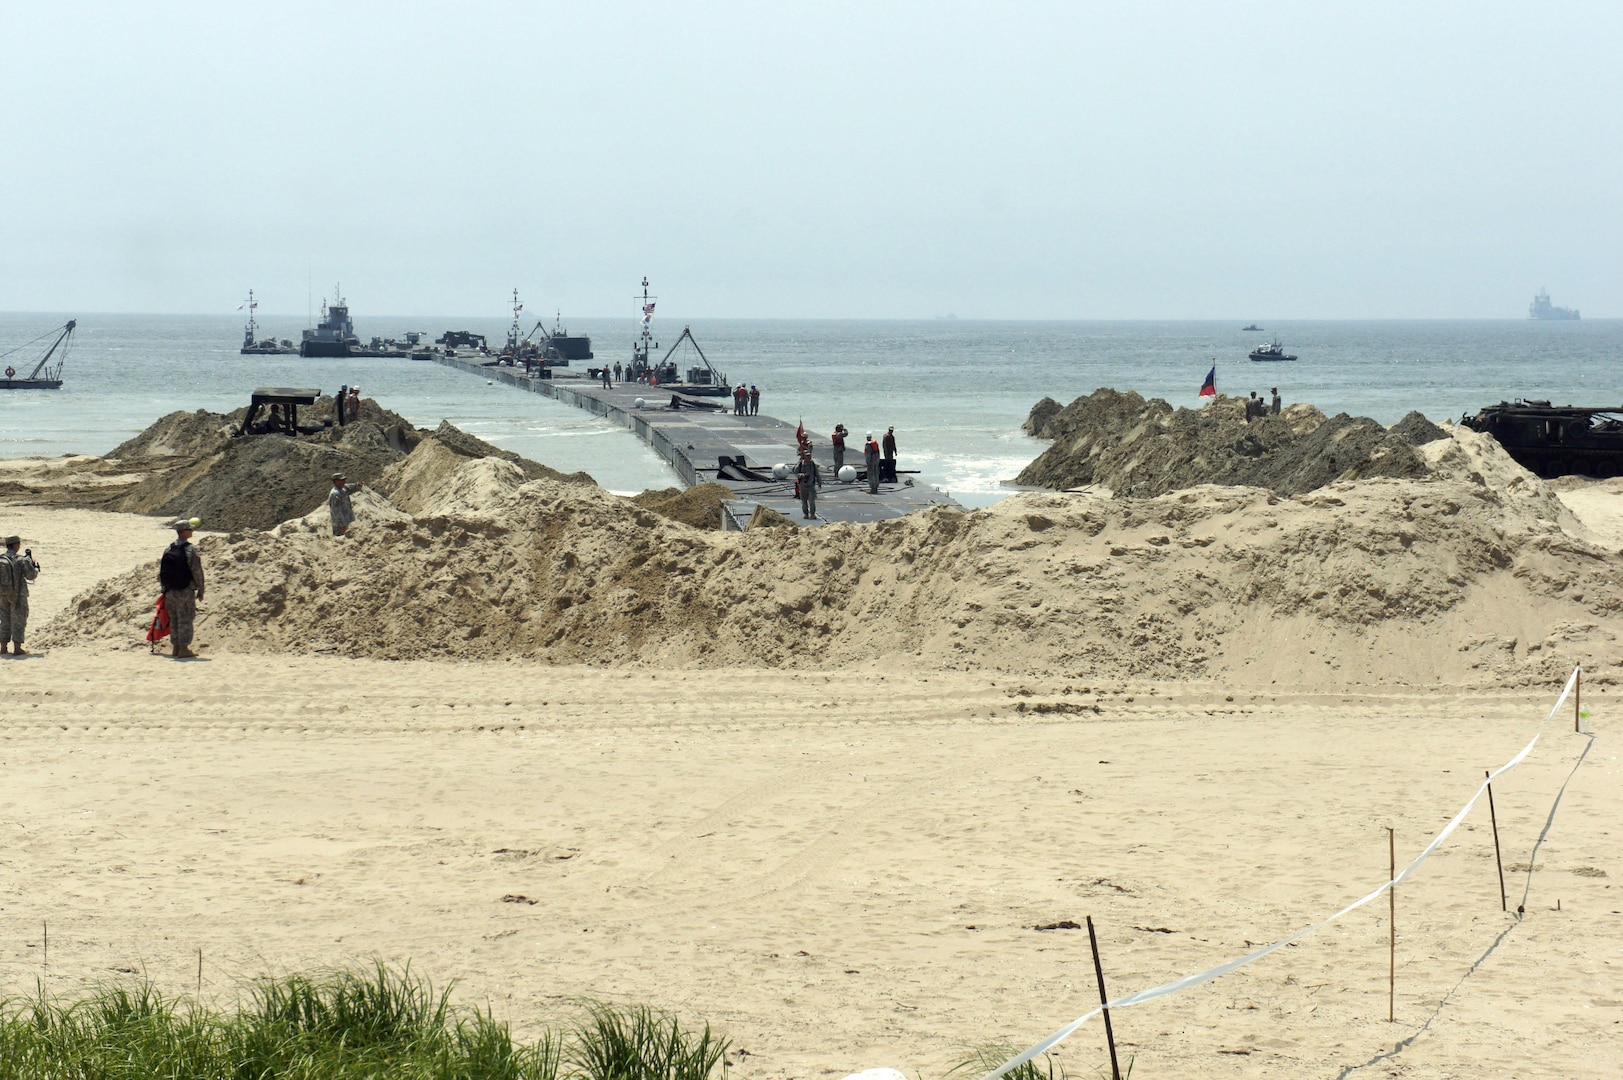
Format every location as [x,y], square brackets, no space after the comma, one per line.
[1274,408]
[838,441]
[338,504]
[180,575]
[755,400]
[808,480]
[870,460]
[16,571]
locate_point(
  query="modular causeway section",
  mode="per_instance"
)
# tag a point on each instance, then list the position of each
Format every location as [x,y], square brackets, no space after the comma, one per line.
[695,440]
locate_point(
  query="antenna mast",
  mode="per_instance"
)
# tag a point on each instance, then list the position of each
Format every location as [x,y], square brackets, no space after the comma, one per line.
[640,350]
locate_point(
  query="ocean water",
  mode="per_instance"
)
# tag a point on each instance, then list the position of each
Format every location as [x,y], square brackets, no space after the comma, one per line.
[956,391]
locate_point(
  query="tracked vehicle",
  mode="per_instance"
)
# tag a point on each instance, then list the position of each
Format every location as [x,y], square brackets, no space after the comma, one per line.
[1555,440]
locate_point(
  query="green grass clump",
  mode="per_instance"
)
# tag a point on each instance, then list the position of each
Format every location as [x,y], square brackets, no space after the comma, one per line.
[639,1043]
[385,1024]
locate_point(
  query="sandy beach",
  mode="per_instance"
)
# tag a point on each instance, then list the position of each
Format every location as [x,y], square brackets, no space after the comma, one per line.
[840,869]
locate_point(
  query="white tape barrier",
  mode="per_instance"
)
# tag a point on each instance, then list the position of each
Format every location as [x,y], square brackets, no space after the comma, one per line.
[1188,981]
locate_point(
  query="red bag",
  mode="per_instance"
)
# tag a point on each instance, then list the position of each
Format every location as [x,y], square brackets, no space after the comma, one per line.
[160,622]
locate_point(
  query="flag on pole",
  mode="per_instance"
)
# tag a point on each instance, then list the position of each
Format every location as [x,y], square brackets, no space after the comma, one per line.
[1209,387]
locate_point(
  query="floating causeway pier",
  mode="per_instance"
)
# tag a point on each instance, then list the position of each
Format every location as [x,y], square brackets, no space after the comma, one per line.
[693,442]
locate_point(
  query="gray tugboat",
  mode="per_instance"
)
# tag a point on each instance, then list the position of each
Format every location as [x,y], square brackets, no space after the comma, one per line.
[1544,311]
[334,335]
[44,376]
[252,345]
[1556,440]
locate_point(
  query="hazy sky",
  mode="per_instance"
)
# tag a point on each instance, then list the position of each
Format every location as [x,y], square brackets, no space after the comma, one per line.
[1062,160]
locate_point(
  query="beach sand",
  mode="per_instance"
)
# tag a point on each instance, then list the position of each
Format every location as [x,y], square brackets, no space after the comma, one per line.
[838,869]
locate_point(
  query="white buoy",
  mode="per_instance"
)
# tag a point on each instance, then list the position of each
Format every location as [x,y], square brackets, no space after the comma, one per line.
[490,382]
[848,473]
[781,471]
[639,403]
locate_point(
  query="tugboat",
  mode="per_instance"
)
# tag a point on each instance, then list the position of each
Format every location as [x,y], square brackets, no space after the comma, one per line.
[553,348]
[252,345]
[1544,311]
[1272,351]
[562,347]
[334,335]
[44,376]
[703,381]
[1555,440]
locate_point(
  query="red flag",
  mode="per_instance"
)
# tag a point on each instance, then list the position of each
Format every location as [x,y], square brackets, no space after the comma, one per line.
[160,622]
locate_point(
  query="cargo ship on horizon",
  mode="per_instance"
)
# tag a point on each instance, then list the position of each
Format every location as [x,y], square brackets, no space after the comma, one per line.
[1542,309]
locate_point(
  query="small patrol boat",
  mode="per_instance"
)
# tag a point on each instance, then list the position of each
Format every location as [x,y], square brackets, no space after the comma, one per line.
[1272,351]
[45,376]
[1253,326]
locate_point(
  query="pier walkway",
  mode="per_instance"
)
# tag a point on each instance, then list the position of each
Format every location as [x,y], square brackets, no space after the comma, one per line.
[693,441]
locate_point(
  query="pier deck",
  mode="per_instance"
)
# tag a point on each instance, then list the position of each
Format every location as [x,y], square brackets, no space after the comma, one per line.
[693,441]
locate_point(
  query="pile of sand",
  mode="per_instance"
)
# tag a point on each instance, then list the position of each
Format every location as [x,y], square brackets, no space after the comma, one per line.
[1146,448]
[698,506]
[451,472]
[194,465]
[1465,576]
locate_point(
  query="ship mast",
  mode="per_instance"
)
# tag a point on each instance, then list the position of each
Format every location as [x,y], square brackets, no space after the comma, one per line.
[251,331]
[513,332]
[639,351]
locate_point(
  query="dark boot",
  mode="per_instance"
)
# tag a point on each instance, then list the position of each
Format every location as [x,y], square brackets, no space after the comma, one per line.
[18,650]
[5,647]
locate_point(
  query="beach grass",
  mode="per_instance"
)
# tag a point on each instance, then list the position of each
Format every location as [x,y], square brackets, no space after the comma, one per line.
[343,1025]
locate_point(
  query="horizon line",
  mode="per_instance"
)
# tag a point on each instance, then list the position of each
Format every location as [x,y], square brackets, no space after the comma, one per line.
[860,318]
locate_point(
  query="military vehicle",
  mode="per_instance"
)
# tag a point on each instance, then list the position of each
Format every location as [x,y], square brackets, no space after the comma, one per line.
[1556,440]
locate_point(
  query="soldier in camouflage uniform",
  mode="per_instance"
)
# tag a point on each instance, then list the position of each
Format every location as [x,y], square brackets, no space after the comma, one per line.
[180,575]
[16,571]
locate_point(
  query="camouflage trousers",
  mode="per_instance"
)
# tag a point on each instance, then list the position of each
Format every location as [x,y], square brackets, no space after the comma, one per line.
[182,606]
[13,617]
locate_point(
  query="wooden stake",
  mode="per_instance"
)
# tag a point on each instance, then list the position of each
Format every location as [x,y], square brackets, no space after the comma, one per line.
[1578,701]
[46,926]
[1099,973]
[1504,903]
[200,975]
[1392,923]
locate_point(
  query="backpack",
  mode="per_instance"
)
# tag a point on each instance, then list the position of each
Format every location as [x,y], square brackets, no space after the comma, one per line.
[8,580]
[174,570]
